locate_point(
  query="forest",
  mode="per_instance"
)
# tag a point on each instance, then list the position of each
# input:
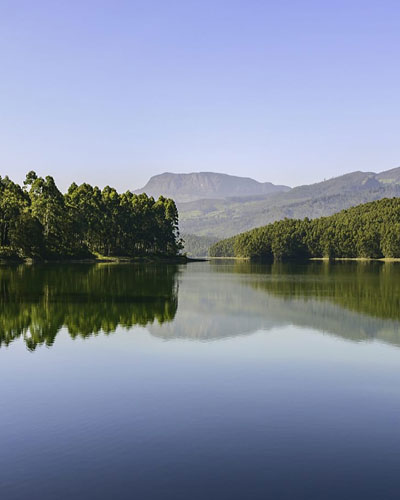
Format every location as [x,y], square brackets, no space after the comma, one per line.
[38,221]
[370,230]
[197,246]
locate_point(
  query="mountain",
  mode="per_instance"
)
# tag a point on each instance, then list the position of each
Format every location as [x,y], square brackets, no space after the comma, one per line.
[389,176]
[231,215]
[206,185]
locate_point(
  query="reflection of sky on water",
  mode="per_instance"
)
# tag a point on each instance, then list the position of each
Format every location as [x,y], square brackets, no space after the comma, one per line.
[223,304]
[130,414]
[281,412]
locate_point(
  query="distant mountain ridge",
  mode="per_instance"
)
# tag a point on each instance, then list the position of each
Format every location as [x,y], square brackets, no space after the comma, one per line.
[229,216]
[220,205]
[206,185]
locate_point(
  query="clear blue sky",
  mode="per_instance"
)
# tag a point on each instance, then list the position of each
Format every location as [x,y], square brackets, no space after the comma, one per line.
[111,92]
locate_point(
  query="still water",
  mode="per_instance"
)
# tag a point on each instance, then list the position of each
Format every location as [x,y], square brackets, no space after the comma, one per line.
[214,380]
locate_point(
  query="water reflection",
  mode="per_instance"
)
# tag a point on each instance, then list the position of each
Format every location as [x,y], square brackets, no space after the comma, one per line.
[37,301]
[356,301]
[372,288]
[286,414]
[353,300]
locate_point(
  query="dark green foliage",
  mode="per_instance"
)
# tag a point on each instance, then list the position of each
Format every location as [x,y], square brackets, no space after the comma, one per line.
[224,248]
[37,220]
[14,201]
[371,230]
[390,241]
[197,246]
[27,236]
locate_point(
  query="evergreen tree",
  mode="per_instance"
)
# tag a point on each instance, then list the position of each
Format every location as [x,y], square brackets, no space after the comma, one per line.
[39,221]
[371,230]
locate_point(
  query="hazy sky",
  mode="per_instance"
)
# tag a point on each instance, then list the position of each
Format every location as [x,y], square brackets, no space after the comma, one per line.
[112,92]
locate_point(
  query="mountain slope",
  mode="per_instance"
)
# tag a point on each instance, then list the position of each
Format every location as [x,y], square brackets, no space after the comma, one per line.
[389,176]
[230,216]
[206,185]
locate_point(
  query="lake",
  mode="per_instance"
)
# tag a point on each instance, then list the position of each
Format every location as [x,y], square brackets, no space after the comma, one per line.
[214,380]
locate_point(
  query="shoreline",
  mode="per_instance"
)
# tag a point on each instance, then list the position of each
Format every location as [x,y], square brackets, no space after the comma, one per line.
[323,259]
[357,259]
[179,259]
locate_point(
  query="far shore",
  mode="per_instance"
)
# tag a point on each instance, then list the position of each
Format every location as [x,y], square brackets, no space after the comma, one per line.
[324,259]
[358,259]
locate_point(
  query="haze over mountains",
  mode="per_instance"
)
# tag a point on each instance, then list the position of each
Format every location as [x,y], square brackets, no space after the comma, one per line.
[232,215]
[215,205]
[206,185]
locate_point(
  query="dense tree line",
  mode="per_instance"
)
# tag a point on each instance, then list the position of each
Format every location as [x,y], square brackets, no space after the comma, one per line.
[37,220]
[197,246]
[370,230]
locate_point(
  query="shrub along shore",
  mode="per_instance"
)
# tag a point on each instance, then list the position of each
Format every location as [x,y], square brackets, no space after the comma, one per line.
[367,231]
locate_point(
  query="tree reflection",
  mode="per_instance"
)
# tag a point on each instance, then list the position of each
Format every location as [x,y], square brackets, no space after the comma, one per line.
[366,287]
[37,301]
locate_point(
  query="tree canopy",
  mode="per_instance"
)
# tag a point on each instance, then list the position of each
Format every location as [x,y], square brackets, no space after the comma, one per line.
[370,230]
[37,220]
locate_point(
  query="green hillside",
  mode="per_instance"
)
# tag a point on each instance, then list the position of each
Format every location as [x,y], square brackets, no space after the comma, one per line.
[370,230]
[197,246]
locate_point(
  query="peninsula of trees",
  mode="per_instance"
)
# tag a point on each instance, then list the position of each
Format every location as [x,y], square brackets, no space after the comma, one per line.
[38,221]
[370,230]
